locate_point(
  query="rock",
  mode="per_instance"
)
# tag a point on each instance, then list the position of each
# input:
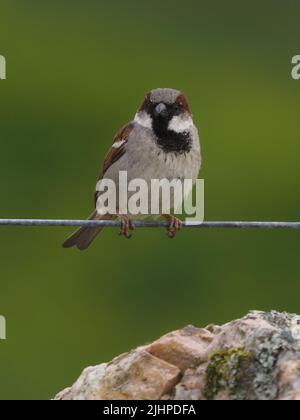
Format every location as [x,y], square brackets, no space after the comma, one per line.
[254,358]
[183,348]
[134,376]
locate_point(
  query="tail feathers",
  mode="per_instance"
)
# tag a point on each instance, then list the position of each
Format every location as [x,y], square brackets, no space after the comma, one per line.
[84,236]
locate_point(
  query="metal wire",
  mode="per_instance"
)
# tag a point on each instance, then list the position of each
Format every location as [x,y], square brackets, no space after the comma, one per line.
[151,224]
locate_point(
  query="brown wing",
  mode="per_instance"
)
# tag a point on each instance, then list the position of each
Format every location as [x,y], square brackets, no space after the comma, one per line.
[117,150]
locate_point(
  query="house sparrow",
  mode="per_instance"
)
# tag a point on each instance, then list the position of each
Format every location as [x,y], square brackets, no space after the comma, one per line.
[161,142]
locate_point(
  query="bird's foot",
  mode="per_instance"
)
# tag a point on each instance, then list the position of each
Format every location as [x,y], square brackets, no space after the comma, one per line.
[174,225]
[126,225]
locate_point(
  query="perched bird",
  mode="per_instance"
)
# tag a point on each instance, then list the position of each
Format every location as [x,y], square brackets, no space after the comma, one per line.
[161,142]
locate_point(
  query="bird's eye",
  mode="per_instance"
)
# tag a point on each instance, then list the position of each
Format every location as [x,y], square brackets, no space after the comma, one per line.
[177,106]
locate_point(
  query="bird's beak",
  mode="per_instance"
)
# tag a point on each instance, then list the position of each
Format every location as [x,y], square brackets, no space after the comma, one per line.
[161,110]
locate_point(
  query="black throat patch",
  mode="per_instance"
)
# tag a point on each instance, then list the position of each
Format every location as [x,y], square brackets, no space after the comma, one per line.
[169,140]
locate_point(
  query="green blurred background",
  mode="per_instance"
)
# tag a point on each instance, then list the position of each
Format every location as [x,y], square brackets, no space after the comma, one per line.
[76,72]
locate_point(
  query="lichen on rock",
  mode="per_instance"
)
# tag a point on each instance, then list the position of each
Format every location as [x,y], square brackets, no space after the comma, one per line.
[226,371]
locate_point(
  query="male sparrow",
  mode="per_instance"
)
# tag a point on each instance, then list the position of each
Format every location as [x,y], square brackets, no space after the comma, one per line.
[161,142]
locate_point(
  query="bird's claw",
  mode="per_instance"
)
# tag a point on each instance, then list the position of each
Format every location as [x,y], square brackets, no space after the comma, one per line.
[127,225]
[174,226]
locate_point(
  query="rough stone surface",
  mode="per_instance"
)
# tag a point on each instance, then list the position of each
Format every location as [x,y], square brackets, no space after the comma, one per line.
[254,358]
